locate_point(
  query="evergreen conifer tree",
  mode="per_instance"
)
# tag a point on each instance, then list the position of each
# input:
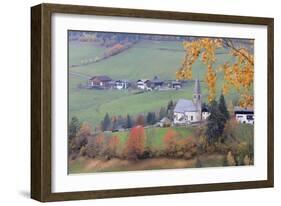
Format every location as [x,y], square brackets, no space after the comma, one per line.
[223,108]
[215,124]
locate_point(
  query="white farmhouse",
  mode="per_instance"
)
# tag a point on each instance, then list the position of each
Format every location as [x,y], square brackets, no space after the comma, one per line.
[244,115]
[122,84]
[142,84]
[205,113]
[189,111]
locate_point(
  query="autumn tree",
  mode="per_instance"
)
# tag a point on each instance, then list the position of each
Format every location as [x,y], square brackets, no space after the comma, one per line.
[140,121]
[85,130]
[179,147]
[170,140]
[114,123]
[95,146]
[207,48]
[186,148]
[112,146]
[238,74]
[73,127]
[81,139]
[135,143]
[115,49]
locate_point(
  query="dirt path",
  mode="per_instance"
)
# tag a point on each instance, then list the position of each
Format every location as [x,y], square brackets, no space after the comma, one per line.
[95,165]
[80,75]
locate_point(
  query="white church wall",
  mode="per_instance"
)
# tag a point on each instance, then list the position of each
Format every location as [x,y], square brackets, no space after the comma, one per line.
[193,116]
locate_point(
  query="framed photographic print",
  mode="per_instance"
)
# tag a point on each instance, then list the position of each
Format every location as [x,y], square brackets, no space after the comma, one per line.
[130,102]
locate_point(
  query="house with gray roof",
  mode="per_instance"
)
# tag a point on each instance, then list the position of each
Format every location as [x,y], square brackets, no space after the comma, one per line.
[189,111]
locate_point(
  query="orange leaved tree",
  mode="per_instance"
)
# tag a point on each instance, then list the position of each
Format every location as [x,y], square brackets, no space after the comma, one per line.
[113,145]
[140,121]
[170,141]
[135,143]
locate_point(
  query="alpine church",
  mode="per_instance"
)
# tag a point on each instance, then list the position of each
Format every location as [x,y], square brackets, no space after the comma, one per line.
[189,111]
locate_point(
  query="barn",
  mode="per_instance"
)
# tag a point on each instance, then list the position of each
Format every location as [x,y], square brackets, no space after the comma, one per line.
[102,82]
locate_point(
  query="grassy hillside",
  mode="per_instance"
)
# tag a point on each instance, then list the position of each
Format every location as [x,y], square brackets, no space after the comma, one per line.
[91,105]
[79,51]
[144,60]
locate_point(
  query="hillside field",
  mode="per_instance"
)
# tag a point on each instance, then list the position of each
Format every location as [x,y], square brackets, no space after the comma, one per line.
[145,59]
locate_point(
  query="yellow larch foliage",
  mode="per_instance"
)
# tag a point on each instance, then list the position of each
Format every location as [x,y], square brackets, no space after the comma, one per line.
[207,48]
[239,75]
[211,79]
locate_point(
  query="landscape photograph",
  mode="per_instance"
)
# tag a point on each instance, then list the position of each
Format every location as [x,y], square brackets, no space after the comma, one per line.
[154,101]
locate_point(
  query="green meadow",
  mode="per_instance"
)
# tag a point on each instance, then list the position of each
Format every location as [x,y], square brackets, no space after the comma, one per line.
[79,51]
[145,59]
[155,135]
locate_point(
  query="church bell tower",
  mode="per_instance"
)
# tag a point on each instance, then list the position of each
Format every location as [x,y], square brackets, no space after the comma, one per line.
[197,98]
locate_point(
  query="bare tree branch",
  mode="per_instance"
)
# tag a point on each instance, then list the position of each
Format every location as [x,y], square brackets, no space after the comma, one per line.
[229,43]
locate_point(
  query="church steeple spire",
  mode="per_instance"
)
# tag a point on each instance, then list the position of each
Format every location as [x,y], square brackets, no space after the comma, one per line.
[197,89]
[197,100]
[197,92]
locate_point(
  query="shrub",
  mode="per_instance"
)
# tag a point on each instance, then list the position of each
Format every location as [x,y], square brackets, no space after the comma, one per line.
[247,160]
[82,152]
[230,159]
[95,146]
[80,140]
[230,129]
[243,149]
[202,143]
[188,147]
[177,147]
[147,153]
[85,129]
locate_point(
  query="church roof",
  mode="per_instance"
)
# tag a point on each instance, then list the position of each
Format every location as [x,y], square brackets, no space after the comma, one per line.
[185,105]
[242,109]
[165,120]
